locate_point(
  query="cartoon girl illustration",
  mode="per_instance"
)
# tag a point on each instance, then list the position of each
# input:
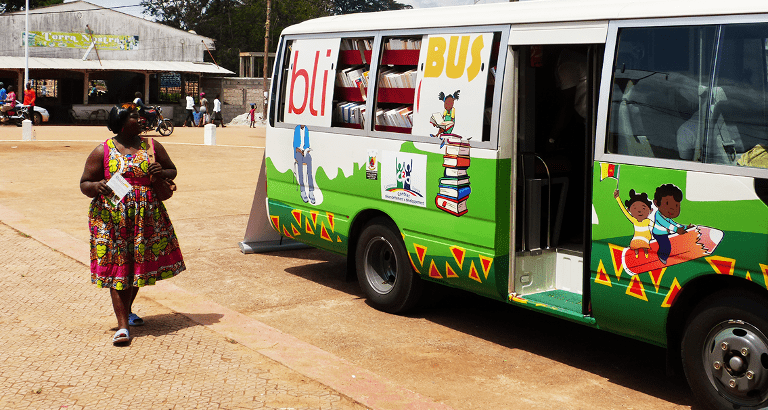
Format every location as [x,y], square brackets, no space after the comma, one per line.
[447,120]
[639,209]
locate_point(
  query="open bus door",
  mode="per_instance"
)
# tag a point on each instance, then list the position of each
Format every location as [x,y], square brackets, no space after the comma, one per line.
[556,72]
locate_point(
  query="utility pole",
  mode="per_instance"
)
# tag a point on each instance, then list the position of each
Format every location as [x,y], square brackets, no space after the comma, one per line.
[26,49]
[266,61]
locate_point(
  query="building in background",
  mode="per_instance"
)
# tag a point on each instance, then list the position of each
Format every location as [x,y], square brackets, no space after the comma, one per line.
[84,58]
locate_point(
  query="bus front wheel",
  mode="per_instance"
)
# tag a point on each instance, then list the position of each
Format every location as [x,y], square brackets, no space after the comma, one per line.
[384,270]
[725,352]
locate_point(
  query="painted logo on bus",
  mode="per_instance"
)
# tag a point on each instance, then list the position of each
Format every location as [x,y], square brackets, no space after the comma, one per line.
[449,64]
[403,178]
[309,86]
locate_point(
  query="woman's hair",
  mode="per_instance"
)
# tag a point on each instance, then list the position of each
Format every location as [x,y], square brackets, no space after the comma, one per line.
[10,88]
[137,95]
[634,197]
[118,114]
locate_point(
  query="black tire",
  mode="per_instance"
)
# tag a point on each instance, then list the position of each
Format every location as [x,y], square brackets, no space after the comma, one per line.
[165,128]
[384,270]
[37,119]
[713,356]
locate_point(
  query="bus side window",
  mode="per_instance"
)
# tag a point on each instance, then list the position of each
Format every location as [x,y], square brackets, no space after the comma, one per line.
[351,87]
[738,131]
[285,67]
[692,93]
[655,91]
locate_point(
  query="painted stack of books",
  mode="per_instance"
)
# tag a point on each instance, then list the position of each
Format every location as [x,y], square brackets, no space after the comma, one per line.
[454,187]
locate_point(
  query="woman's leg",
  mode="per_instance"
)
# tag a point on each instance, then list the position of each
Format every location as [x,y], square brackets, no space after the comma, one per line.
[121,303]
[134,291]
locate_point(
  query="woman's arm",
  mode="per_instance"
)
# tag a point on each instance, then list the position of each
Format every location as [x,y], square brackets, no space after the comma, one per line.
[92,182]
[163,165]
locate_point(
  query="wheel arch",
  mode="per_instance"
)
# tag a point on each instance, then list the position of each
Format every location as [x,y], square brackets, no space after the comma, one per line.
[690,296]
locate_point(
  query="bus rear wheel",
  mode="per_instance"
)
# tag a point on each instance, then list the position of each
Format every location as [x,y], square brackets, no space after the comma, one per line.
[384,270]
[725,352]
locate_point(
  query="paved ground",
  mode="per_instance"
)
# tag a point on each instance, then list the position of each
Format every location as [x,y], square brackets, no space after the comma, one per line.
[56,352]
[294,319]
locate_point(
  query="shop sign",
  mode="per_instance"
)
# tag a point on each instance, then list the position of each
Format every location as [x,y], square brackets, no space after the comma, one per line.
[54,39]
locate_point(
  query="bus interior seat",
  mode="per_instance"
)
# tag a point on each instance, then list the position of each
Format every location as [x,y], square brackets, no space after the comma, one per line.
[655,110]
[727,142]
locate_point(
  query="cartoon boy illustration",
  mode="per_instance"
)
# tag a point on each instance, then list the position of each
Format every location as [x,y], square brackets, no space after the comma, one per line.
[445,122]
[667,199]
[301,155]
[639,209]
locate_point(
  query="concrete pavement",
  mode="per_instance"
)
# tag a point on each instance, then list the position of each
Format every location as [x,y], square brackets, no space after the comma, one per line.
[56,352]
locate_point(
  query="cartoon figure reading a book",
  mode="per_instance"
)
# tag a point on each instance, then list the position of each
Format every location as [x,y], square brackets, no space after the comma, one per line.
[667,199]
[639,209]
[447,120]
[302,156]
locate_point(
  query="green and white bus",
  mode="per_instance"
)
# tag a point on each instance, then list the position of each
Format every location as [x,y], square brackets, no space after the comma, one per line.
[599,161]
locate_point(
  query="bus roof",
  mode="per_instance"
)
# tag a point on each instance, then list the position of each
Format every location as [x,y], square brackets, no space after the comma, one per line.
[523,12]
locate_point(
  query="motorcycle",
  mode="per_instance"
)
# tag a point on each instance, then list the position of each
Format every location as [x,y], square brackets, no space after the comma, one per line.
[163,125]
[16,115]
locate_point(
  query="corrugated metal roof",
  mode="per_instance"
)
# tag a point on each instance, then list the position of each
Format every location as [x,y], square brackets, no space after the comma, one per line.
[40,63]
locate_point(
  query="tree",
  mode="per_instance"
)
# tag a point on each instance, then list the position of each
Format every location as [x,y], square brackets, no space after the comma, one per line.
[181,14]
[9,6]
[236,25]
[365,6]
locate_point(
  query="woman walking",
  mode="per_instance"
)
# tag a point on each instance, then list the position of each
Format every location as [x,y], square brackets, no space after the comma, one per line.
[133,243]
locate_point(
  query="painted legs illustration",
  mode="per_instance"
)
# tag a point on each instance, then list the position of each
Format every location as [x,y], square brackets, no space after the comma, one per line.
[665,247]
[301,159]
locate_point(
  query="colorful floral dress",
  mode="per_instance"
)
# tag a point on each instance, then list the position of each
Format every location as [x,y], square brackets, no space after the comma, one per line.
[132,243]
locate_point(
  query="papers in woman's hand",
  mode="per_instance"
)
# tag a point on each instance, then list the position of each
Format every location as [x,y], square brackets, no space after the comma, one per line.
[120,188]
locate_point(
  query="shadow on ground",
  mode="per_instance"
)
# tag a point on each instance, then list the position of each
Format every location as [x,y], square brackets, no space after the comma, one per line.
[170,323]
[633,364]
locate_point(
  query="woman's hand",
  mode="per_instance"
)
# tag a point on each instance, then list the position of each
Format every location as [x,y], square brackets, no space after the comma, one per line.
[155,169]
[103,188]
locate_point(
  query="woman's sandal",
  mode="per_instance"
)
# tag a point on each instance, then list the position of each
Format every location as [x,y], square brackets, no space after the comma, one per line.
[120,337]
[135,320]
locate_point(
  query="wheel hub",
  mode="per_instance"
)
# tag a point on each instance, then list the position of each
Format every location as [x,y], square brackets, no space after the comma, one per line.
[737,356]
[380,265]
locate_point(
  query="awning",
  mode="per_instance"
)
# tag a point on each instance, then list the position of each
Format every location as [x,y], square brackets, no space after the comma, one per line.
[40,63]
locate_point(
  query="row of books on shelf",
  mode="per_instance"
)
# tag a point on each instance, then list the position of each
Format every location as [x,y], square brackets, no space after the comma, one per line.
[396,117]
[403,44]
[349,113]
[354,44]
[391,78]
[353,77]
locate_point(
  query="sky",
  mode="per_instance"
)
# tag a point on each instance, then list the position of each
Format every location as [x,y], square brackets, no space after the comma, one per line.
[136,10]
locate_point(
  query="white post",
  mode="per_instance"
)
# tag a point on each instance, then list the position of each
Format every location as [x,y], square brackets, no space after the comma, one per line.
[209,135]
[26,130]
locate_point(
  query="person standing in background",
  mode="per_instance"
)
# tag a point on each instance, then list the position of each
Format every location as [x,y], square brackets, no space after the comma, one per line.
[217,112]
[252,113]
[190,111]
[29,99]
[203,110]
